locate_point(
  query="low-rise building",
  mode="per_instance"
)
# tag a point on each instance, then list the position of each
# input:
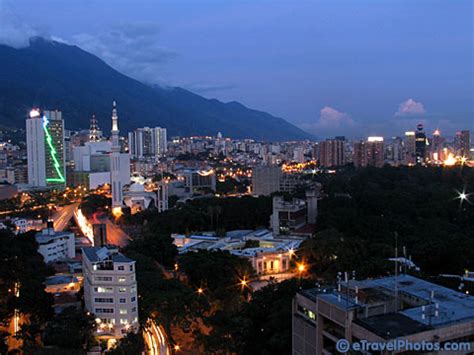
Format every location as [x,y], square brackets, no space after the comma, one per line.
[55,246]
[379,311]
[267,255]
[110,291]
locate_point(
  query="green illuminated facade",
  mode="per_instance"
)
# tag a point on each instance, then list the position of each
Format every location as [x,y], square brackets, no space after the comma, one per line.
[53,127]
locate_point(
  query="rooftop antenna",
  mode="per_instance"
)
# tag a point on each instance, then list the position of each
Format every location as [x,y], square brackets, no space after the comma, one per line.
[396,271]
[339,286]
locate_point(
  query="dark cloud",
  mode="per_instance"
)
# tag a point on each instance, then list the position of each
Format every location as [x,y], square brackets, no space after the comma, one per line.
[131,48]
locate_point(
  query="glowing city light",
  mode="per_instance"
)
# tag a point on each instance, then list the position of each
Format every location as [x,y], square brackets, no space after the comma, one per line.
[301,267]
[84,225]
[117,212]
[52,152]
[200,291]
[34,113]
[450,160]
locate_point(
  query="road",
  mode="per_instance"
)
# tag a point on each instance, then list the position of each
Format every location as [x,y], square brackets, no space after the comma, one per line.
[62,217]
[115,234]
[155,339]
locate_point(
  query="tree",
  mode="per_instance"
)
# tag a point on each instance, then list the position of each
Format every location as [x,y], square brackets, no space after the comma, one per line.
[70,329]
[132,343]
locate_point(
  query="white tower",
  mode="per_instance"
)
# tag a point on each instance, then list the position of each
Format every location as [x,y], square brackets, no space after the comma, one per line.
[115,178]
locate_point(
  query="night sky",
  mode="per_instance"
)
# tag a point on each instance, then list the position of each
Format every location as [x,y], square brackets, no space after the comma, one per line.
[331,67]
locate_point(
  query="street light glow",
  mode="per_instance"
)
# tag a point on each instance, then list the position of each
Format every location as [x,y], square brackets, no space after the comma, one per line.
[301,267]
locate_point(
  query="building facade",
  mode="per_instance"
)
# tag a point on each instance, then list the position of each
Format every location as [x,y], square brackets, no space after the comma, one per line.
[110,291]
[45,149]
[55,246]
[380,311]
[147,142]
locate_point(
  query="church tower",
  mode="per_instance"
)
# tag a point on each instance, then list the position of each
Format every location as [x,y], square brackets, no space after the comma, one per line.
[95,134]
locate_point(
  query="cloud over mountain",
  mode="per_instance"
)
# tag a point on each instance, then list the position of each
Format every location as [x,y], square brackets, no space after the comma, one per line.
[132,48]
[409,108]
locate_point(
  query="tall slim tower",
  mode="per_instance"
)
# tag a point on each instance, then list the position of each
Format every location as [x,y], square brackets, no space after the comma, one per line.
[95,134]
[117,188]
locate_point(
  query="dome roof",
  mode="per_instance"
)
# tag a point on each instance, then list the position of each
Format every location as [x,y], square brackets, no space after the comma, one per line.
[136,187]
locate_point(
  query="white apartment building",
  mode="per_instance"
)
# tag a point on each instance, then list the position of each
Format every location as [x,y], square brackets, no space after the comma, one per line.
[110,291]
[147,142]
[55,246]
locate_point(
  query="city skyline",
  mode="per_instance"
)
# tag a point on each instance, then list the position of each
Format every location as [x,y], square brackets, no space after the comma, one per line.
[313,64]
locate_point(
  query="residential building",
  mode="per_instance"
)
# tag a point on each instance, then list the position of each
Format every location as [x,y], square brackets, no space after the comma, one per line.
[110,291]
[266,180]
[331,152]
[196,180]
[55,246]
[147,142]
[374,152]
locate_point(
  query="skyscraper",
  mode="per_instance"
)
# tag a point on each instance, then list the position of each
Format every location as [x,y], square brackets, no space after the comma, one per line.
[436,150]
[465,144]
[359,158]
[409,145]
[420,145]
[45,148]
[375,152]
[147,142]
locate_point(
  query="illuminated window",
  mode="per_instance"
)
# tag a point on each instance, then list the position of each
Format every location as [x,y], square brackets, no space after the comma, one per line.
[123,311]
[122,289]
[122,279]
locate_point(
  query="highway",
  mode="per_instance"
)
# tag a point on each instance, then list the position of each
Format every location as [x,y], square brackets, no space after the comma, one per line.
[155,339]
[62,217]
[115,234]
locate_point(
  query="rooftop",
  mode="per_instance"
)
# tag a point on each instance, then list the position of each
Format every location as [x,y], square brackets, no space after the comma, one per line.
[426,305]
[96,254]
[60,279]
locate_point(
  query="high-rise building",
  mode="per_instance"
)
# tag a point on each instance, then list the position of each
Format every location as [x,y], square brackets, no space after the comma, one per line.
[266,180]
[420,145]
[359,157]
[410,148]
[437,145]
[465,144]
[375,152]
[119,164]
[110,291]
[45,148]
[147,142]
[394,151]
[331,152]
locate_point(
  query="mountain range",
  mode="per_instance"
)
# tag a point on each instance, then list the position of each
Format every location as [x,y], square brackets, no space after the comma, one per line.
[53,75]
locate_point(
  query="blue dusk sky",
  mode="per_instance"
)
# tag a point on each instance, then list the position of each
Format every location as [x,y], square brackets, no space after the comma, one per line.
[351,67]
